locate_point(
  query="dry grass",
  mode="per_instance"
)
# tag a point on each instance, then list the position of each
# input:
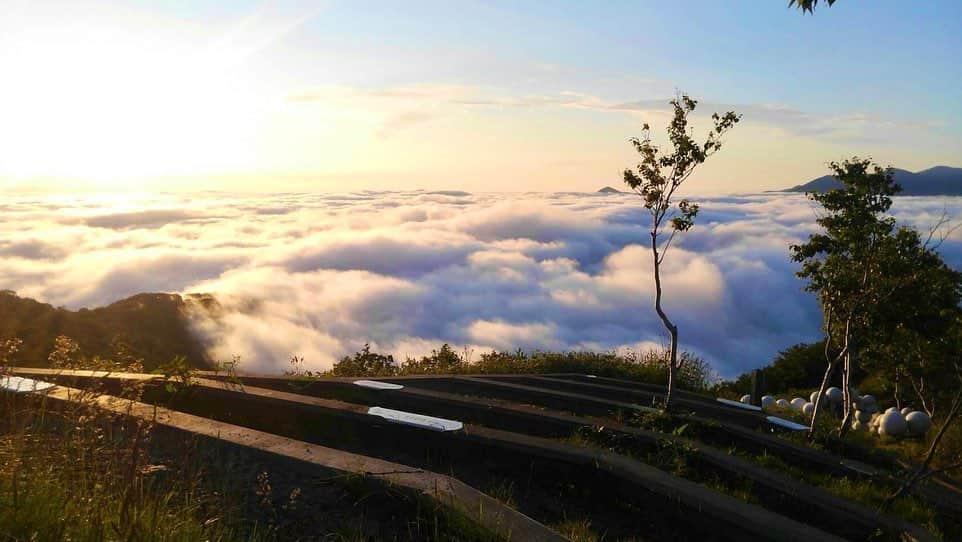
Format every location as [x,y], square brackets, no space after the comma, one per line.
[76,472]
[80,474]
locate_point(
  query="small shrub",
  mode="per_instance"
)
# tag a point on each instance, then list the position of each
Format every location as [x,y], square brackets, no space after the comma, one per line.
[442,361]
[366,363]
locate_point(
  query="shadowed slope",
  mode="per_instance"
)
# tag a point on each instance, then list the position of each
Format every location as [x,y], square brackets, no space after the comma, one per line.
[152,326]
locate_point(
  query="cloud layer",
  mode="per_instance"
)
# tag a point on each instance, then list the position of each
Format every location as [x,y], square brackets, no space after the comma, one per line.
[320,275]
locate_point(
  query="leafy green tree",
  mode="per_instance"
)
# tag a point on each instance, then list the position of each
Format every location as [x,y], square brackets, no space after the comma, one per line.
[657,179]
[891,303]
[842,264]
[914,327]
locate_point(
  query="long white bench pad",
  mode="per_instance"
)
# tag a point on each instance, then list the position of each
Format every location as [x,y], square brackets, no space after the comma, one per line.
[19,384]
[417,420]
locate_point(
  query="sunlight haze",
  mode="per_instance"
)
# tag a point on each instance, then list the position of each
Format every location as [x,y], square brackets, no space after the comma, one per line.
[500,96]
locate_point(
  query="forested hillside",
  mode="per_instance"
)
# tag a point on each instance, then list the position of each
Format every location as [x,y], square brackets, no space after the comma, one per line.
[152,326]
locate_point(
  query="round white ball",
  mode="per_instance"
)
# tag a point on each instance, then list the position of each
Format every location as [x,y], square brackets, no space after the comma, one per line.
[919,423]
[834,394]
[798,403]
[813,397]
[891,409]
[892,424]
[905,411]
[746,399]
[808,409]
[768,401]
[869,400]
[783,403]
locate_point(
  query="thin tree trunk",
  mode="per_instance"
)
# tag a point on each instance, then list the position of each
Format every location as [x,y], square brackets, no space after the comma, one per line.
[846,396]
[821,395]
[829,371]
[898,394]
[920,393]
[672,328]
[820,400]
[851,346]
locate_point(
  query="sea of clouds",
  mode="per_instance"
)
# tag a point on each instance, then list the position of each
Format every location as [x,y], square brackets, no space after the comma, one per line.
[320,275]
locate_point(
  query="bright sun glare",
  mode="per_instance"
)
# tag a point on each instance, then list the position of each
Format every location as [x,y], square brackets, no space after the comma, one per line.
[125,102]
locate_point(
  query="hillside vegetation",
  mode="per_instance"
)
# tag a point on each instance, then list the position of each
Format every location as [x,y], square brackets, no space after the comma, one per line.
[149,326]
[694,373]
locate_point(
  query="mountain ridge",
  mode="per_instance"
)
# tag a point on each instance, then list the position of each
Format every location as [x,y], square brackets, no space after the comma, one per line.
[934,181]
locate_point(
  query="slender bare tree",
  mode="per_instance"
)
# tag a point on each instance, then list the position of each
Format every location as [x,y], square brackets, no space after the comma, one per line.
[657,179]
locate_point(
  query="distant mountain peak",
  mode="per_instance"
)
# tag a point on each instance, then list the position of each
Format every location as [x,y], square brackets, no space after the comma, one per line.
[610,190]
[935,181]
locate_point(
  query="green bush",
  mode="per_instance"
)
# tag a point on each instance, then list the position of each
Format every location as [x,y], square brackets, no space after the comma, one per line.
[365,363]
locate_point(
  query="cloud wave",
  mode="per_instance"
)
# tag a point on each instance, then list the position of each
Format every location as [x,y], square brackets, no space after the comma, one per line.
[320,275]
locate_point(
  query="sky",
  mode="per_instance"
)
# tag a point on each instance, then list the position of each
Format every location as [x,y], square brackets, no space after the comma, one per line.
[477,96]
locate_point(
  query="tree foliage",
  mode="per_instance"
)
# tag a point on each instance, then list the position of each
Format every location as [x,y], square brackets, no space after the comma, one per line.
[807,5]
[797,367]
[915,331]
[657,178]
[841,262]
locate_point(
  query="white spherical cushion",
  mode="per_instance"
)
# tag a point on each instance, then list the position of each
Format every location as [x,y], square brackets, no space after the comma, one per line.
[905,411]
[768,401]
[798,403]
[746,399]
[783,403]
[808,409]
[891,409]
[813,397]
[919,423]
[893,424]
[834,394]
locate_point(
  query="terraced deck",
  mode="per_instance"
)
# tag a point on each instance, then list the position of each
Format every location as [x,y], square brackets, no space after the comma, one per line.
[517,430]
